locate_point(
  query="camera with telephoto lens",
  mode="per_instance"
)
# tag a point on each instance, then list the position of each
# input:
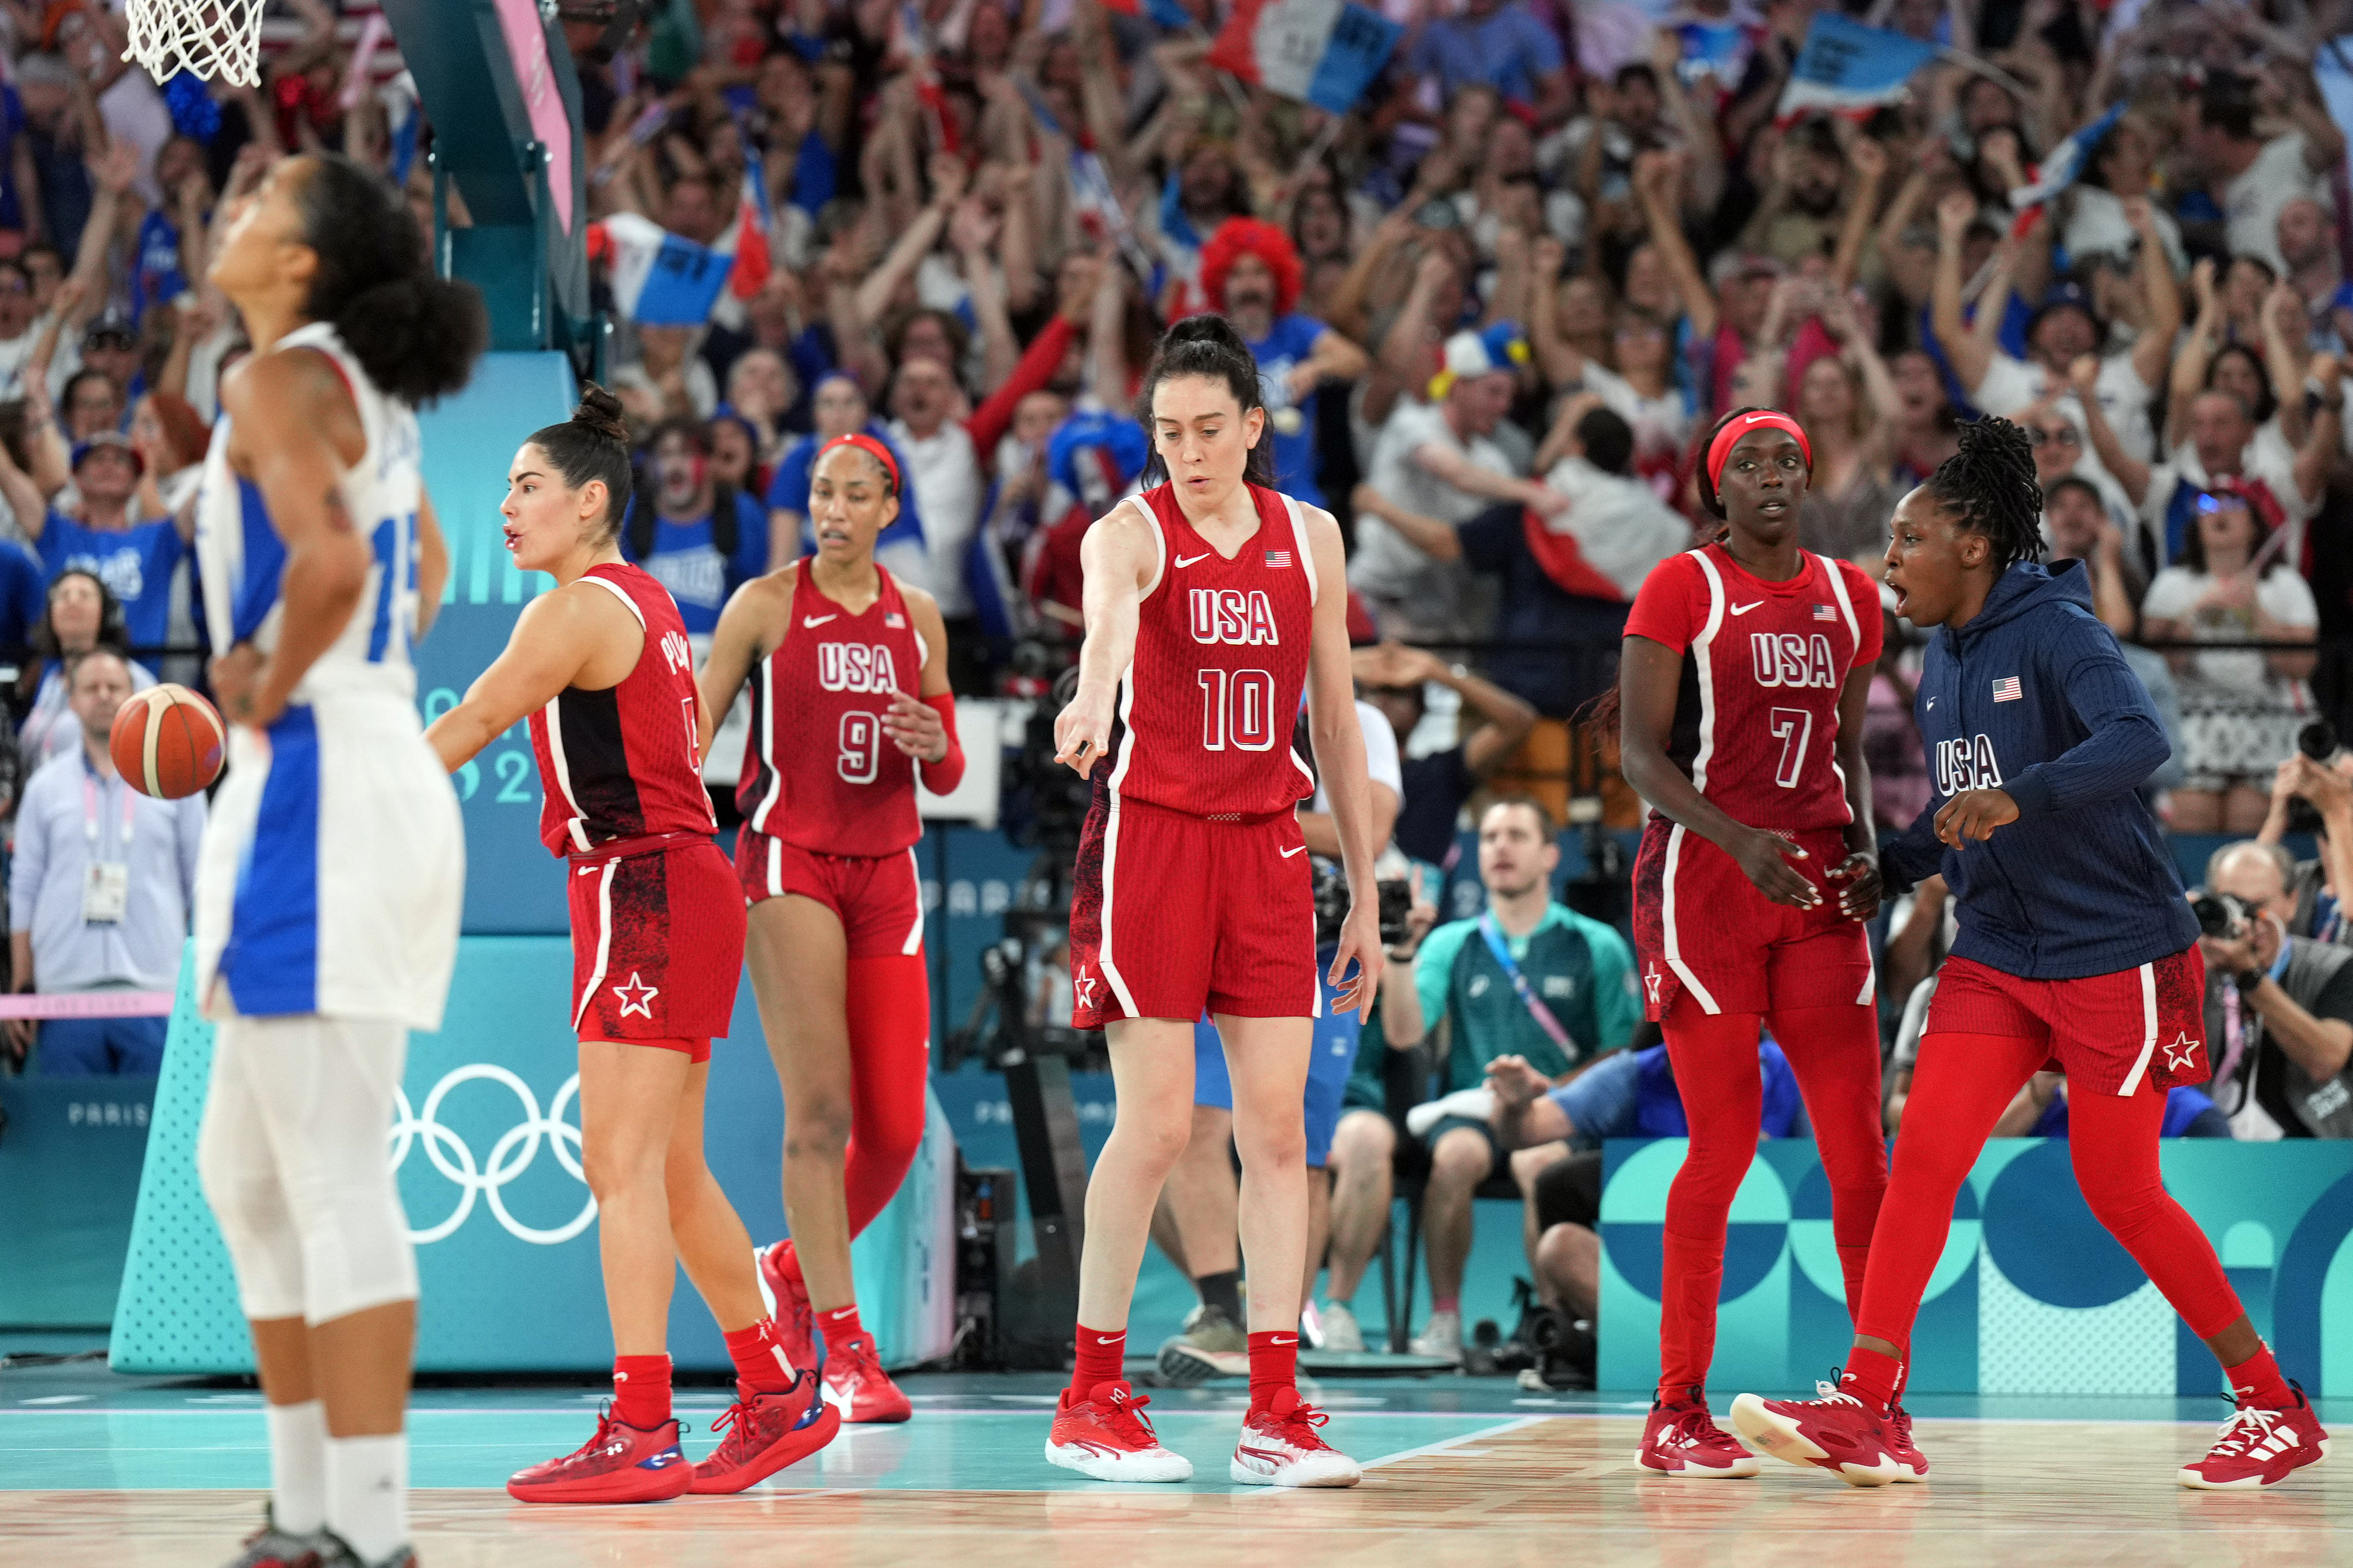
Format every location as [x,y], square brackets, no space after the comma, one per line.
[2221,916]
[1332,906]
[2318,741]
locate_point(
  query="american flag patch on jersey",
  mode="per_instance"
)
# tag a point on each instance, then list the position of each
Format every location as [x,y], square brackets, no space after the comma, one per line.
[896,621]
[1277,559]
[2006,690]
[1824,613]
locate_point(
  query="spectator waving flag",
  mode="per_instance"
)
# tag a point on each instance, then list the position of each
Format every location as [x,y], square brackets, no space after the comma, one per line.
[1326,52]
[659,279]
[1847,68]
[2064,164]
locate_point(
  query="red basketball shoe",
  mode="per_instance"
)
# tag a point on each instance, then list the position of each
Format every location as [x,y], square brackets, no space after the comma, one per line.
[1911,1464]
[1683,1440]
[856,1385]
[788,1303]
[766,1432]
[1280,1448]
[270,1547]
[1833,1430]
[619,1464]
[1108,1438]
[2260,1448]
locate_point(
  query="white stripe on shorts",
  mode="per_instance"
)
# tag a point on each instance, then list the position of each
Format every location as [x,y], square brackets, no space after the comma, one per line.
[915,933]
[603,938]
[2147,1029]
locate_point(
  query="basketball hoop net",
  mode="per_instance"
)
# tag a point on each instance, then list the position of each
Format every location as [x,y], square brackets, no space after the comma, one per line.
[217,38]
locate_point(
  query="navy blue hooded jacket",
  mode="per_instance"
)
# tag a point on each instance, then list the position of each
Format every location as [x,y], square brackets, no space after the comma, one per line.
[2034,699]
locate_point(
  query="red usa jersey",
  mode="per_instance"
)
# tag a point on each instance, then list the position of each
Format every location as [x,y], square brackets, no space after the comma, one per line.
[1208,705]
[625,762]
[819,771]
[1757,717]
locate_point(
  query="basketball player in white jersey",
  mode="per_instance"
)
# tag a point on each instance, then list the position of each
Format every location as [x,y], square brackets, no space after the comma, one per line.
[328,891]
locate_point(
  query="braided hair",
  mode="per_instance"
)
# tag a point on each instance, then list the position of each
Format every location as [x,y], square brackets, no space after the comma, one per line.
[1990,488]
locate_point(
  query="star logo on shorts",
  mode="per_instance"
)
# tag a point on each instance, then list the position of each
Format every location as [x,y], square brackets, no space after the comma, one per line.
[1652,980]
[1084,986]
[636,997]
[2180,1052]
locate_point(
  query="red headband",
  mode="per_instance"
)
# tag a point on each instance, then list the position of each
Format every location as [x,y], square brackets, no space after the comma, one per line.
[882,454]
[1762,419]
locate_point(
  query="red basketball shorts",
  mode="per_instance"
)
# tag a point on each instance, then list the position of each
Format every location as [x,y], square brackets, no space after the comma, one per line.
[2108,1033]
[1702,927]
[1173,914]
[877,899]
[657,946]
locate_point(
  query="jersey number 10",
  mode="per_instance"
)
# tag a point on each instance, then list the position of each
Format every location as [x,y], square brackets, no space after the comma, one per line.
[1237,705]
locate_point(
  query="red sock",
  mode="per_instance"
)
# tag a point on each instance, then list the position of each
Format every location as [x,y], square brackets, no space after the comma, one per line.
[1872,1377]
[2257,1382]
[641,1390]
[760,1363]
[1274,1365]
[1103,1358]
[840,1326]
[1437,1304]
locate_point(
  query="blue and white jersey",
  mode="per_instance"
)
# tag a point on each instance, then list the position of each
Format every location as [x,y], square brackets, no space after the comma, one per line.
[243,560]
[334,865]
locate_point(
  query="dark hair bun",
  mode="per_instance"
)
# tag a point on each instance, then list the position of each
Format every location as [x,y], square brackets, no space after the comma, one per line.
[1206,328]
[602,413]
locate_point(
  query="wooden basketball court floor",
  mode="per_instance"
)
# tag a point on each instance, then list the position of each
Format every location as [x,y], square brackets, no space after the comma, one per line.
[1462,1473]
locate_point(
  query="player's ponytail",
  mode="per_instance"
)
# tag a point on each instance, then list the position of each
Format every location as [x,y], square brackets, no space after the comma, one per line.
[1207,345]
[1990,488]
[593,446]
[416,335]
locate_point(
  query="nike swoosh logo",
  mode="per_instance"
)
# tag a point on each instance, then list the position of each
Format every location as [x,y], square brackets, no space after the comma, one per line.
[1109,1339]
[1744,609]
[820,620]
[1932,703]
[1188,559]
[1287,855]
[1279,1339]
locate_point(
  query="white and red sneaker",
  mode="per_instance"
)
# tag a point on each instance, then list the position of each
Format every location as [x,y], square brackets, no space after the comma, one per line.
[1280,1446]
[2258,1448]
[788,1302]
[1835,1430]
[1683,1440]
[856,1385]
[1107,1437]
[1911,1464]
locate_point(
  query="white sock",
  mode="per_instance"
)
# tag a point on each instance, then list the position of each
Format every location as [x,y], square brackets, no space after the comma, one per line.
[367,1493]
[298,1466]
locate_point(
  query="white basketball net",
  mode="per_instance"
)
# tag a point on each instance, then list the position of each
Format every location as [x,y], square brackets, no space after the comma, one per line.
[219,39]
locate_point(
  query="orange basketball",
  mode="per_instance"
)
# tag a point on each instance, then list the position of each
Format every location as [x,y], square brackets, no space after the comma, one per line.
[167,741]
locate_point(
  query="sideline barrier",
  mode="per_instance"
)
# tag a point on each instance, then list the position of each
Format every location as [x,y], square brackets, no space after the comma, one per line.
[486,1140]
[2032,1296]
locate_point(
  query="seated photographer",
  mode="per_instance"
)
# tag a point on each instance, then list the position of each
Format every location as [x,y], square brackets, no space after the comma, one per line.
[1199,1223]
[2279,1008]
[1528,978]
[1626,1094]
[2313,793]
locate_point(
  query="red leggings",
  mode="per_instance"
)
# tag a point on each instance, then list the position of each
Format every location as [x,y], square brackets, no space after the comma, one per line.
[1961,1086]
[889,1008]
[1834,1052]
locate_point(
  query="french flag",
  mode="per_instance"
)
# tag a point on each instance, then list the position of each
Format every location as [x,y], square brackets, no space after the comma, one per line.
[2064,165]
[1325,52]
[1846,67]
[665,279]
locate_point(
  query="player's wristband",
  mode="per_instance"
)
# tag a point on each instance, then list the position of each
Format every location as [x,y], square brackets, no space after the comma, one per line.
[944,776]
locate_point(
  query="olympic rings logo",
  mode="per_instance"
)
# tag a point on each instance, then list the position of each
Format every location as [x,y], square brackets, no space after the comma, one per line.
[510,1156]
